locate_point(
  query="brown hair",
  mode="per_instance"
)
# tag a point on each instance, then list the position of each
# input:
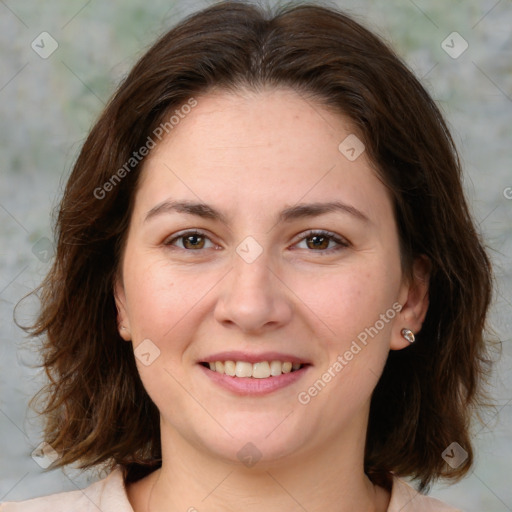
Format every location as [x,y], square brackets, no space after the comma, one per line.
[96,408]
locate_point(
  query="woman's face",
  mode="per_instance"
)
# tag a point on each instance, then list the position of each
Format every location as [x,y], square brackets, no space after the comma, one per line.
[227,259]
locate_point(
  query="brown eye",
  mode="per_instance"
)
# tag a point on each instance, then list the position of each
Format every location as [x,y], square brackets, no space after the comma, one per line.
[193,241]
[323,242]
[317,242]
[190,241]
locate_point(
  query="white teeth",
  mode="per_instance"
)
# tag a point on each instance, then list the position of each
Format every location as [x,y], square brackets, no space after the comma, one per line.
[275,368]
[259,370]
[243,369]
[230,368]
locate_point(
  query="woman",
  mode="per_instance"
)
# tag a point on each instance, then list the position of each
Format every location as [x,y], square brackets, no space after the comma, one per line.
[268,292]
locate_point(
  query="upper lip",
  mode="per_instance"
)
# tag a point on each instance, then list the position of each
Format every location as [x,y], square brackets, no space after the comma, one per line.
[236,355]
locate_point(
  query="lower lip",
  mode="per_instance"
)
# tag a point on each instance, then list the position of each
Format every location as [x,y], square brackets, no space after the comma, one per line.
[252,386]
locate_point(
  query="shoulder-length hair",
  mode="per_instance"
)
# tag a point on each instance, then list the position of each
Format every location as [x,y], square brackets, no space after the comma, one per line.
[95,406]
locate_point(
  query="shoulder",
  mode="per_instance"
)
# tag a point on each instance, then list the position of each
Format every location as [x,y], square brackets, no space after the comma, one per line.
[107,495]
[406,499]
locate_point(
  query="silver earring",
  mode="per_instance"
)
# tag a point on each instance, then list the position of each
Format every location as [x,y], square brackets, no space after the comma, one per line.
[408,335]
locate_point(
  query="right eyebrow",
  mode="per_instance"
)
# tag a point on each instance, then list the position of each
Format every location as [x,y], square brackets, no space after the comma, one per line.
[191,208]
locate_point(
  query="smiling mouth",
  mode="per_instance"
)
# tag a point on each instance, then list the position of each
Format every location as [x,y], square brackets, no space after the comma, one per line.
[259,370]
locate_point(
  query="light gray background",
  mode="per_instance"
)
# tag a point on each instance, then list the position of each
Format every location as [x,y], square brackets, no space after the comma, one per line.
[48,105]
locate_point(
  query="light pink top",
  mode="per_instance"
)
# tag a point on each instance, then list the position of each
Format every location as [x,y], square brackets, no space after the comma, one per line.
[109,495]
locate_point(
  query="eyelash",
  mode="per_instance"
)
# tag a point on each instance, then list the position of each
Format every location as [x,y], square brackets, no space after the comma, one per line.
[342,243]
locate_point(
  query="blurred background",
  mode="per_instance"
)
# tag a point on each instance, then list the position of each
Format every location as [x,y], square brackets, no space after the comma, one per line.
[61,61]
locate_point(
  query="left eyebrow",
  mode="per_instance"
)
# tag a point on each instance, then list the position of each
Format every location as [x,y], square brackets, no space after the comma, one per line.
[299,211]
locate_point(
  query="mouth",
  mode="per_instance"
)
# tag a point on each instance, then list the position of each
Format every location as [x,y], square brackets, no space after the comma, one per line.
[257,370]
[249,374]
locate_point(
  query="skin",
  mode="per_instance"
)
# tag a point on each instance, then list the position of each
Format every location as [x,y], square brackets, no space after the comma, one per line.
[250,155]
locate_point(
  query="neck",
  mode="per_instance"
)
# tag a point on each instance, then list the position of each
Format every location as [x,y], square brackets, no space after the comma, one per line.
[328,478]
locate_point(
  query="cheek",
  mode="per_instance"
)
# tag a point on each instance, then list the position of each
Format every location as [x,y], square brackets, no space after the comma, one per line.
[164,300]
[163,304]
[353,312]
[353,318]
[350,299]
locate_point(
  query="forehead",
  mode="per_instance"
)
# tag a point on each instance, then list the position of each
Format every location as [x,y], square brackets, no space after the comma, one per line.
[266,124]
[255,148]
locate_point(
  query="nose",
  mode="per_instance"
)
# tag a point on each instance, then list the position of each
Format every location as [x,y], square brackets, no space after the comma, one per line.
[253,298]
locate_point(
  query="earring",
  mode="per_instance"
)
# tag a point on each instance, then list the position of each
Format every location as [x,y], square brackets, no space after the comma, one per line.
[408,335]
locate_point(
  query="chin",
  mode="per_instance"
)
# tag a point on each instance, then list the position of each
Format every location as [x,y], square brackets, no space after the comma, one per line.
[257,439]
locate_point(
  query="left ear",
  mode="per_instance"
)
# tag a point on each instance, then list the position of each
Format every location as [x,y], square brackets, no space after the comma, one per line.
[414,299]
